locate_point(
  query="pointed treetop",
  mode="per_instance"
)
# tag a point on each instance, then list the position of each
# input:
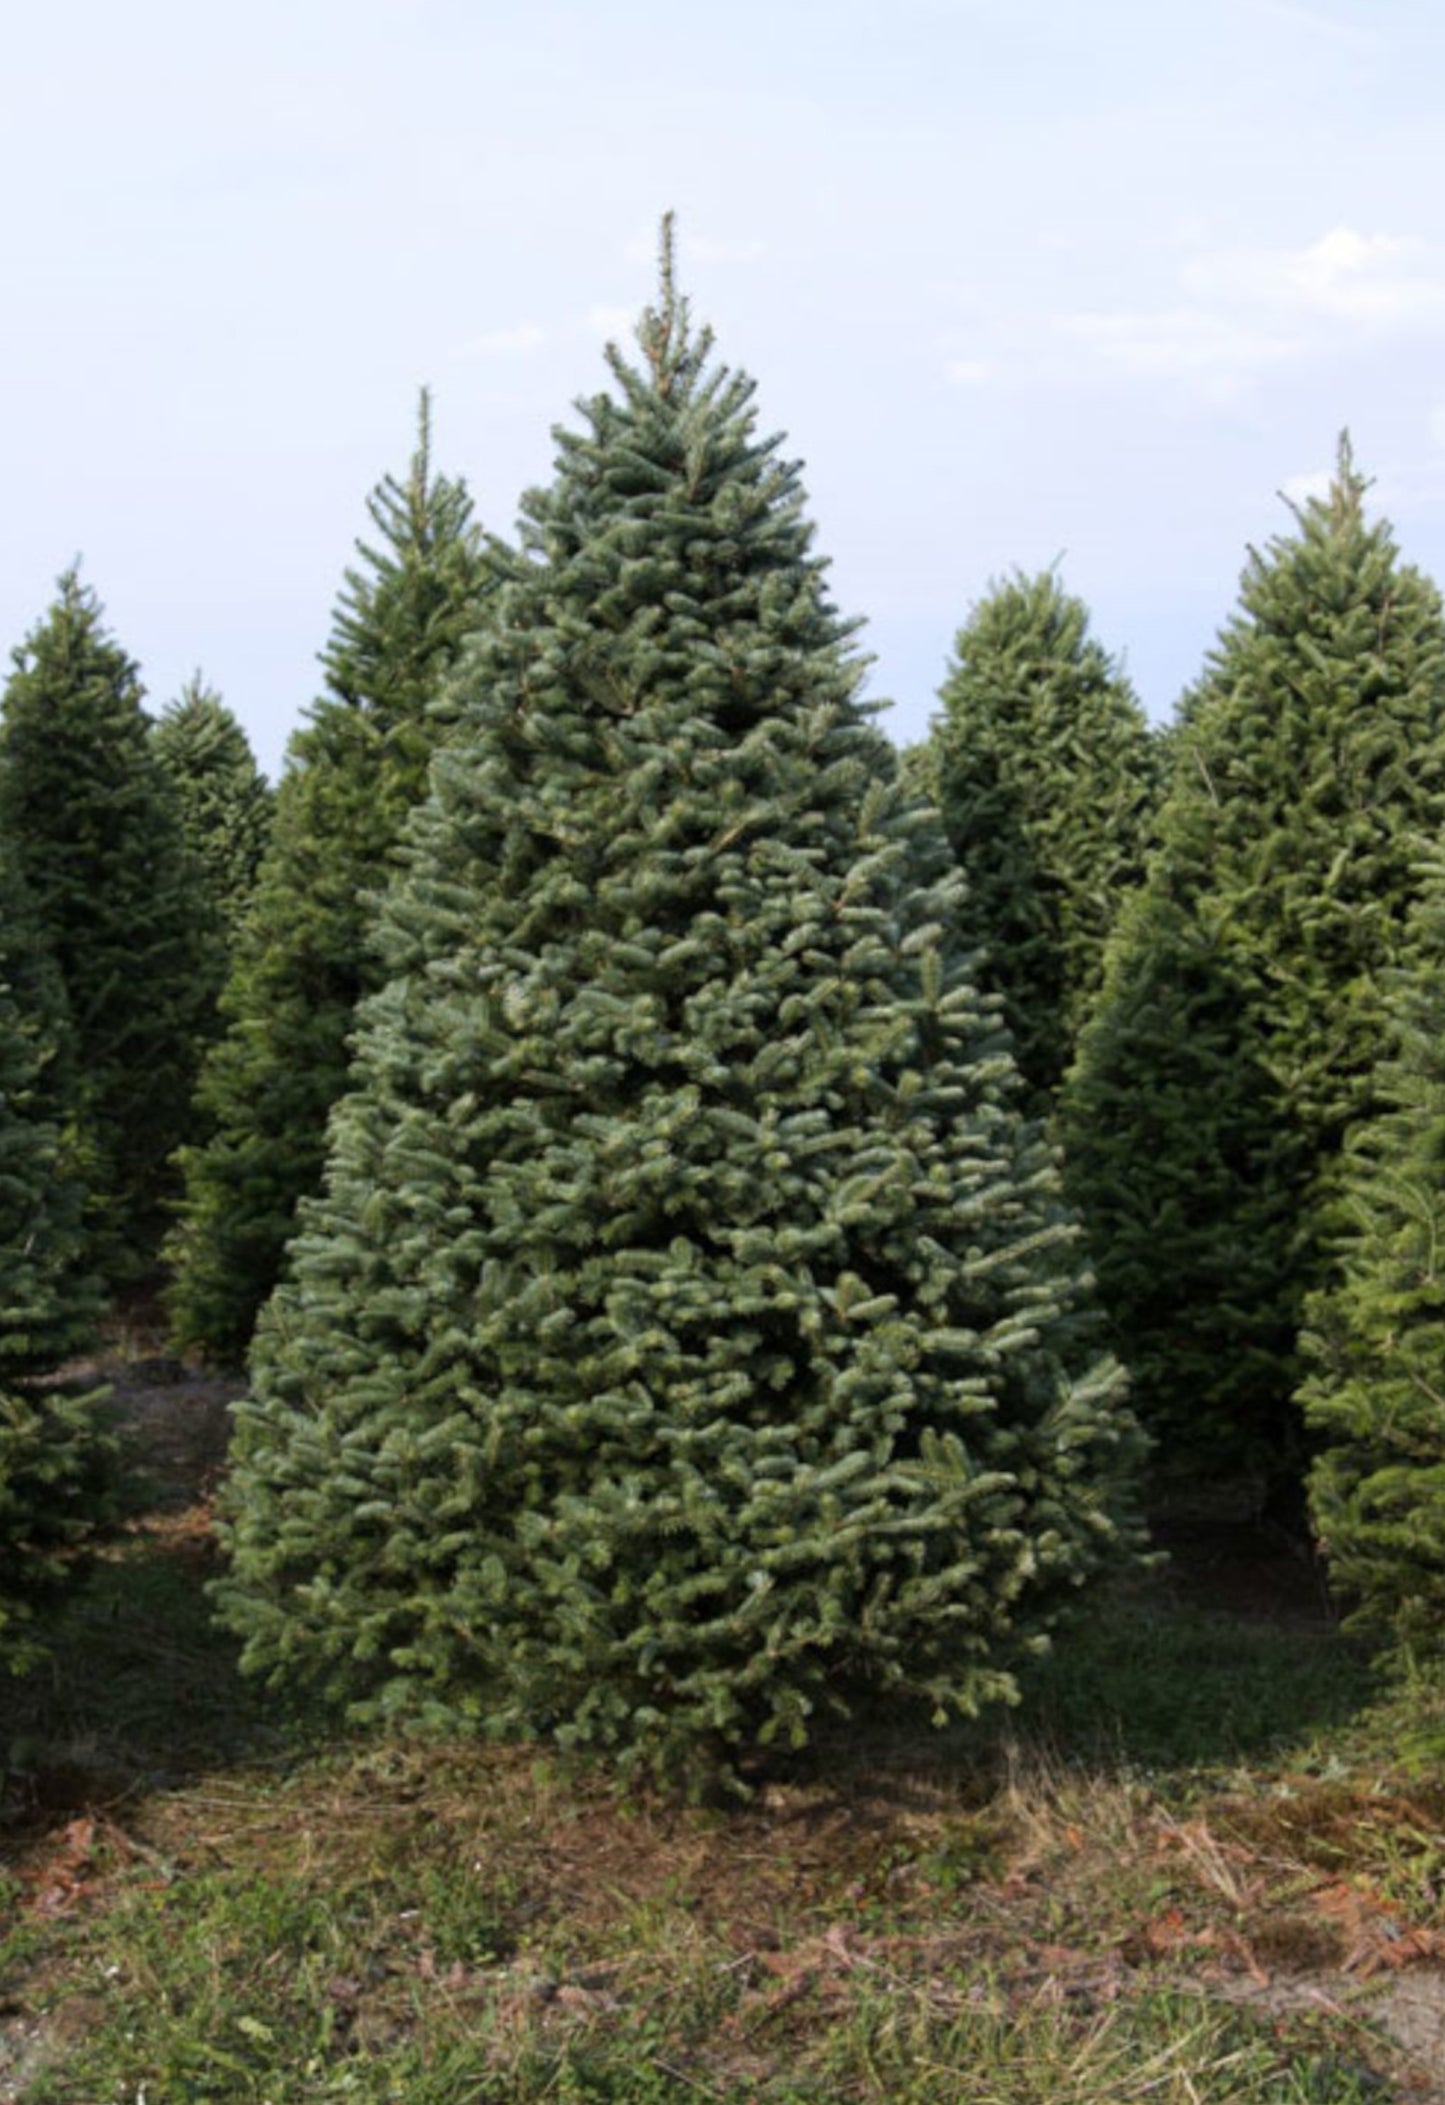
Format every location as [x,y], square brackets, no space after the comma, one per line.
[665,331]
[420,476]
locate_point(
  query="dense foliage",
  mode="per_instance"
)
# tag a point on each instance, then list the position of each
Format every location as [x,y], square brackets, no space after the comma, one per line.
[301,962]
[689,1329]
[50,1445]
[1376,1388]
[1044,769]
[224,800]
[1235,1046]
[88,817]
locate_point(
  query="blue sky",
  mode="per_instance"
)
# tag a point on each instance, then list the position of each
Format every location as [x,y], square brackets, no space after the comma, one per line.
[1021,280]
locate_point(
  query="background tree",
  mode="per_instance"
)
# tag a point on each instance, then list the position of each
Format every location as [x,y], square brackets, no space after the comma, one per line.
[1043,766]
[224,800]
[89,819]
[301,963]
[52,1451]
[1235,1044]
[688,1331]
[1375,1391]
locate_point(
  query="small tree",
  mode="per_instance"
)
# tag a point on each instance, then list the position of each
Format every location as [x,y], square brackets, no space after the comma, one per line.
[1234,1048]
[90,822]
[224,800]
[302,962]
[688,1331]
[1044,769]
[1375,1392]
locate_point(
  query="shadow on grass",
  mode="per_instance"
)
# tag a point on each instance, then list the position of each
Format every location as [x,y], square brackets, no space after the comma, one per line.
[140,1690]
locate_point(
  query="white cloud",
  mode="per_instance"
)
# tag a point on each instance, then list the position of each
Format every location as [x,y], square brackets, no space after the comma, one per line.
[1436,425]
[1299,489]
[969,372]
[1213,351]
[1245,310]
[497,342]
[609,322]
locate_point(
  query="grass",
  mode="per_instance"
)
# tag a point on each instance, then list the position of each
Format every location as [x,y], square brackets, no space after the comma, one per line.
[1191,1869]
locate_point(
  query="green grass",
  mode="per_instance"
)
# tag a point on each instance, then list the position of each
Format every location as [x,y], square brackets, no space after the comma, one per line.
[1057,1905]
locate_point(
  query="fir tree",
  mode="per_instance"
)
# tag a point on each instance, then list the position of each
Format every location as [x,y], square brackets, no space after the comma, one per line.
[88,817]
[49,1305]
[224,800]
[688,1332]
[1375,1392]
[301,963]
[1235,1043]
[55,1460]
[51,1448]
[1044,769]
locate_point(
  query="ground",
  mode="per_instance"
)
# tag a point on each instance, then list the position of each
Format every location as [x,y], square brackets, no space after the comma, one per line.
[1196,1867]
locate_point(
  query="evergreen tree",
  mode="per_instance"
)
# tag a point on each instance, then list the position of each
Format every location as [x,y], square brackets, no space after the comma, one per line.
[1234,1046]
[88,817]
[301,962]
[1375,1392]
[224,800]
[688,1331]
[49,1306]
[1044,769]
[51,1448]
[54,1489]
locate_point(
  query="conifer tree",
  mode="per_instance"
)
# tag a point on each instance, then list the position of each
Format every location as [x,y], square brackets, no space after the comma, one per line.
[1234,1046]
[224,800]
[301,963]
[1375,1390]
[88,817]
[688,1331]
[51,1447]
[49,1305]
[1044,769]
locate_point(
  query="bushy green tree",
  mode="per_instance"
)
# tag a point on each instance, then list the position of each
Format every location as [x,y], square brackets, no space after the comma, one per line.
[51,1448]
[54,1490]
[1375,1391]
[49,1304]
[1234,1047]
[689,1329]
[225,802]
[1045,771]
[301,962]
[88,817]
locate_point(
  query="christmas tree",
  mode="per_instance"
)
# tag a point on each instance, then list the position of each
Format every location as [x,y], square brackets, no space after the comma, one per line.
[224,800]
[689,1332]
[1234,1048]
[88,817]
[1045,772]
[302,962]
[1375,1346]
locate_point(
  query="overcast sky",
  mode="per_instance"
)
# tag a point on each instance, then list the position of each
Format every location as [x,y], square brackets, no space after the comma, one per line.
[1020,280]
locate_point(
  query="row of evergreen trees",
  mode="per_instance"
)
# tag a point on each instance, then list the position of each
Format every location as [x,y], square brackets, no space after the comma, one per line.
[680,1321]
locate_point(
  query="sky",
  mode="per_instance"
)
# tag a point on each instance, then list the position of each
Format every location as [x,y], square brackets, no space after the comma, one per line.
[1023,282]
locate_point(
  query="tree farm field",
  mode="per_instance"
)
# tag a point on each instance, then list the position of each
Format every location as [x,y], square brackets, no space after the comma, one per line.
[1204,1860]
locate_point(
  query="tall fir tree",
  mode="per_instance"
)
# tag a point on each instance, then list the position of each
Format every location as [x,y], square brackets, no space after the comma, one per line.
[302,961]
[1045,771]
[1375,1343]
[90,821]
[689,1331]
[52,1448]
[1234,1047]
[224,800]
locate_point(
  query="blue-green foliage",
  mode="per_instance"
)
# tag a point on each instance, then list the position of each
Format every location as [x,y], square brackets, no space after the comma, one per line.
[689,1328]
